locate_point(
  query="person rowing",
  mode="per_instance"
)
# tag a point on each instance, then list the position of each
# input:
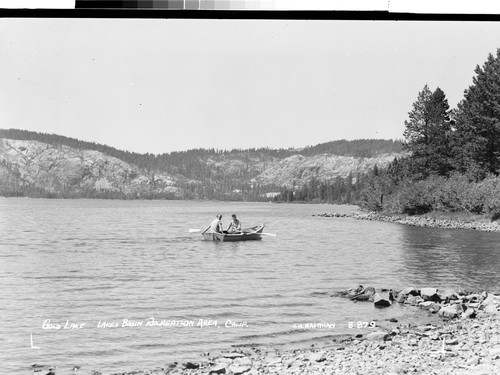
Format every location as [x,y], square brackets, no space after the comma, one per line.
[234,225]
[216,225]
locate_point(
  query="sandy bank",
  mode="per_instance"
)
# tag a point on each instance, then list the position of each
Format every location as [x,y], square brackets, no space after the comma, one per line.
[421,221]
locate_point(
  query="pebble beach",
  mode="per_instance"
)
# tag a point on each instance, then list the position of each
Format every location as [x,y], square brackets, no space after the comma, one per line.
[420,221]
[465,341]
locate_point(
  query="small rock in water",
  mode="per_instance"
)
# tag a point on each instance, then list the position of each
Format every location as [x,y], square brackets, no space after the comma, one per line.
[365,295]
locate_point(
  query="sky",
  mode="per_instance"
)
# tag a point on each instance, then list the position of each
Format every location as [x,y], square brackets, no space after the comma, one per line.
[152,85]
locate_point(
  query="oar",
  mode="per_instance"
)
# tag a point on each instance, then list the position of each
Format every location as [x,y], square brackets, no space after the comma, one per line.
[269,234]
[264,234]
[198,230]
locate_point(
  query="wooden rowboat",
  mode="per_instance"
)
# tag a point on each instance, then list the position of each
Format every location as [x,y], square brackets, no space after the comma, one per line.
[248,234]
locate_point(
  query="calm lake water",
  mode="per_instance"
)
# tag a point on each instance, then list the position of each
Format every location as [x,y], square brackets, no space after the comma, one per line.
[87,263]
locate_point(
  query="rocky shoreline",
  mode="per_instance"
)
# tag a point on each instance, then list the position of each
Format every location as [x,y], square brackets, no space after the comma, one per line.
[419,221]
[465,341]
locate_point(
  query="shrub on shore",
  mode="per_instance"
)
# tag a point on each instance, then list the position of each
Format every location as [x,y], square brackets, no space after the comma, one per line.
[446,194]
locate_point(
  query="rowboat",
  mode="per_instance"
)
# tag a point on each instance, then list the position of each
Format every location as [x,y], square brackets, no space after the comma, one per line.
[248,234]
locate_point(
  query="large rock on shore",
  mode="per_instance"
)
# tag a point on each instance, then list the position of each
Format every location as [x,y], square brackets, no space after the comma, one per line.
[430,294]
[413,300]
[382,300]
[448,295]
[403,294]
[430,306]
[451,311]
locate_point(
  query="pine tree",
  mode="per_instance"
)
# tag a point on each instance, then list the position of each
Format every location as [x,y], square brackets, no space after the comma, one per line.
[427,134]
[477,135]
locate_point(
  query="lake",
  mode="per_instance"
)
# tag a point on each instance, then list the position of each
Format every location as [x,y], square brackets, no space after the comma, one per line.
[118,286]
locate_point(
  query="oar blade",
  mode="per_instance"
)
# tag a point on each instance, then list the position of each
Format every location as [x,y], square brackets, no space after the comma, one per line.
[194,230]
[270,234]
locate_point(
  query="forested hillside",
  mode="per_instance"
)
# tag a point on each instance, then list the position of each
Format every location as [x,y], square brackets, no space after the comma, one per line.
[251,174]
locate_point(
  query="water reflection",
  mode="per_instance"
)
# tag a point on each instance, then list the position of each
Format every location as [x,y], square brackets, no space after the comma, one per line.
[451,258]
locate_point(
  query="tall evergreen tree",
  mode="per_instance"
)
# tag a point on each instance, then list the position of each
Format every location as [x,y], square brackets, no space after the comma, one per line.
[427,133]
[477,148]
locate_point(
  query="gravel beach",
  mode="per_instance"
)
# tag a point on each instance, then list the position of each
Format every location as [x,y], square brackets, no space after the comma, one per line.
[466,340]
[420,221]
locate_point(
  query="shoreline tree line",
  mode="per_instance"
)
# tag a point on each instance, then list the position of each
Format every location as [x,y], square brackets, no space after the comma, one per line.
[453,160]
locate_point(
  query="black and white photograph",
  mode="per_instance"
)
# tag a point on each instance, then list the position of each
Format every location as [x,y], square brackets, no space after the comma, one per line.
[224,195]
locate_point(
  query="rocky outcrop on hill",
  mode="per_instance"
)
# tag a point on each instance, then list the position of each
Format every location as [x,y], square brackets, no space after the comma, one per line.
[65,170]
[297,170]
[39,169]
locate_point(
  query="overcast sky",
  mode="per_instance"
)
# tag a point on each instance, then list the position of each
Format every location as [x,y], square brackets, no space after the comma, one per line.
[168,85]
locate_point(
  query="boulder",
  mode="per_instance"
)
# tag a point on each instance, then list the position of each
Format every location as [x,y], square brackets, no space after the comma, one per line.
[409,291]
[450,311]
[348,293]
[218,369]
[473,297]
[380,300]
[491,310]
[469,313]
[365,295]
[491,300]
[400,297]
[243,361]
[430,294]
[413,300]
[430,306]
[238,370]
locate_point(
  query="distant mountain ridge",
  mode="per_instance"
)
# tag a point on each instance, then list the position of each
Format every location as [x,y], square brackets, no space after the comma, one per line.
[40,164]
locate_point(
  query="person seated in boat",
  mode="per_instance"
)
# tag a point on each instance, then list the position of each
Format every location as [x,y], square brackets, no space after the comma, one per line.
[234,225]
[216,224]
